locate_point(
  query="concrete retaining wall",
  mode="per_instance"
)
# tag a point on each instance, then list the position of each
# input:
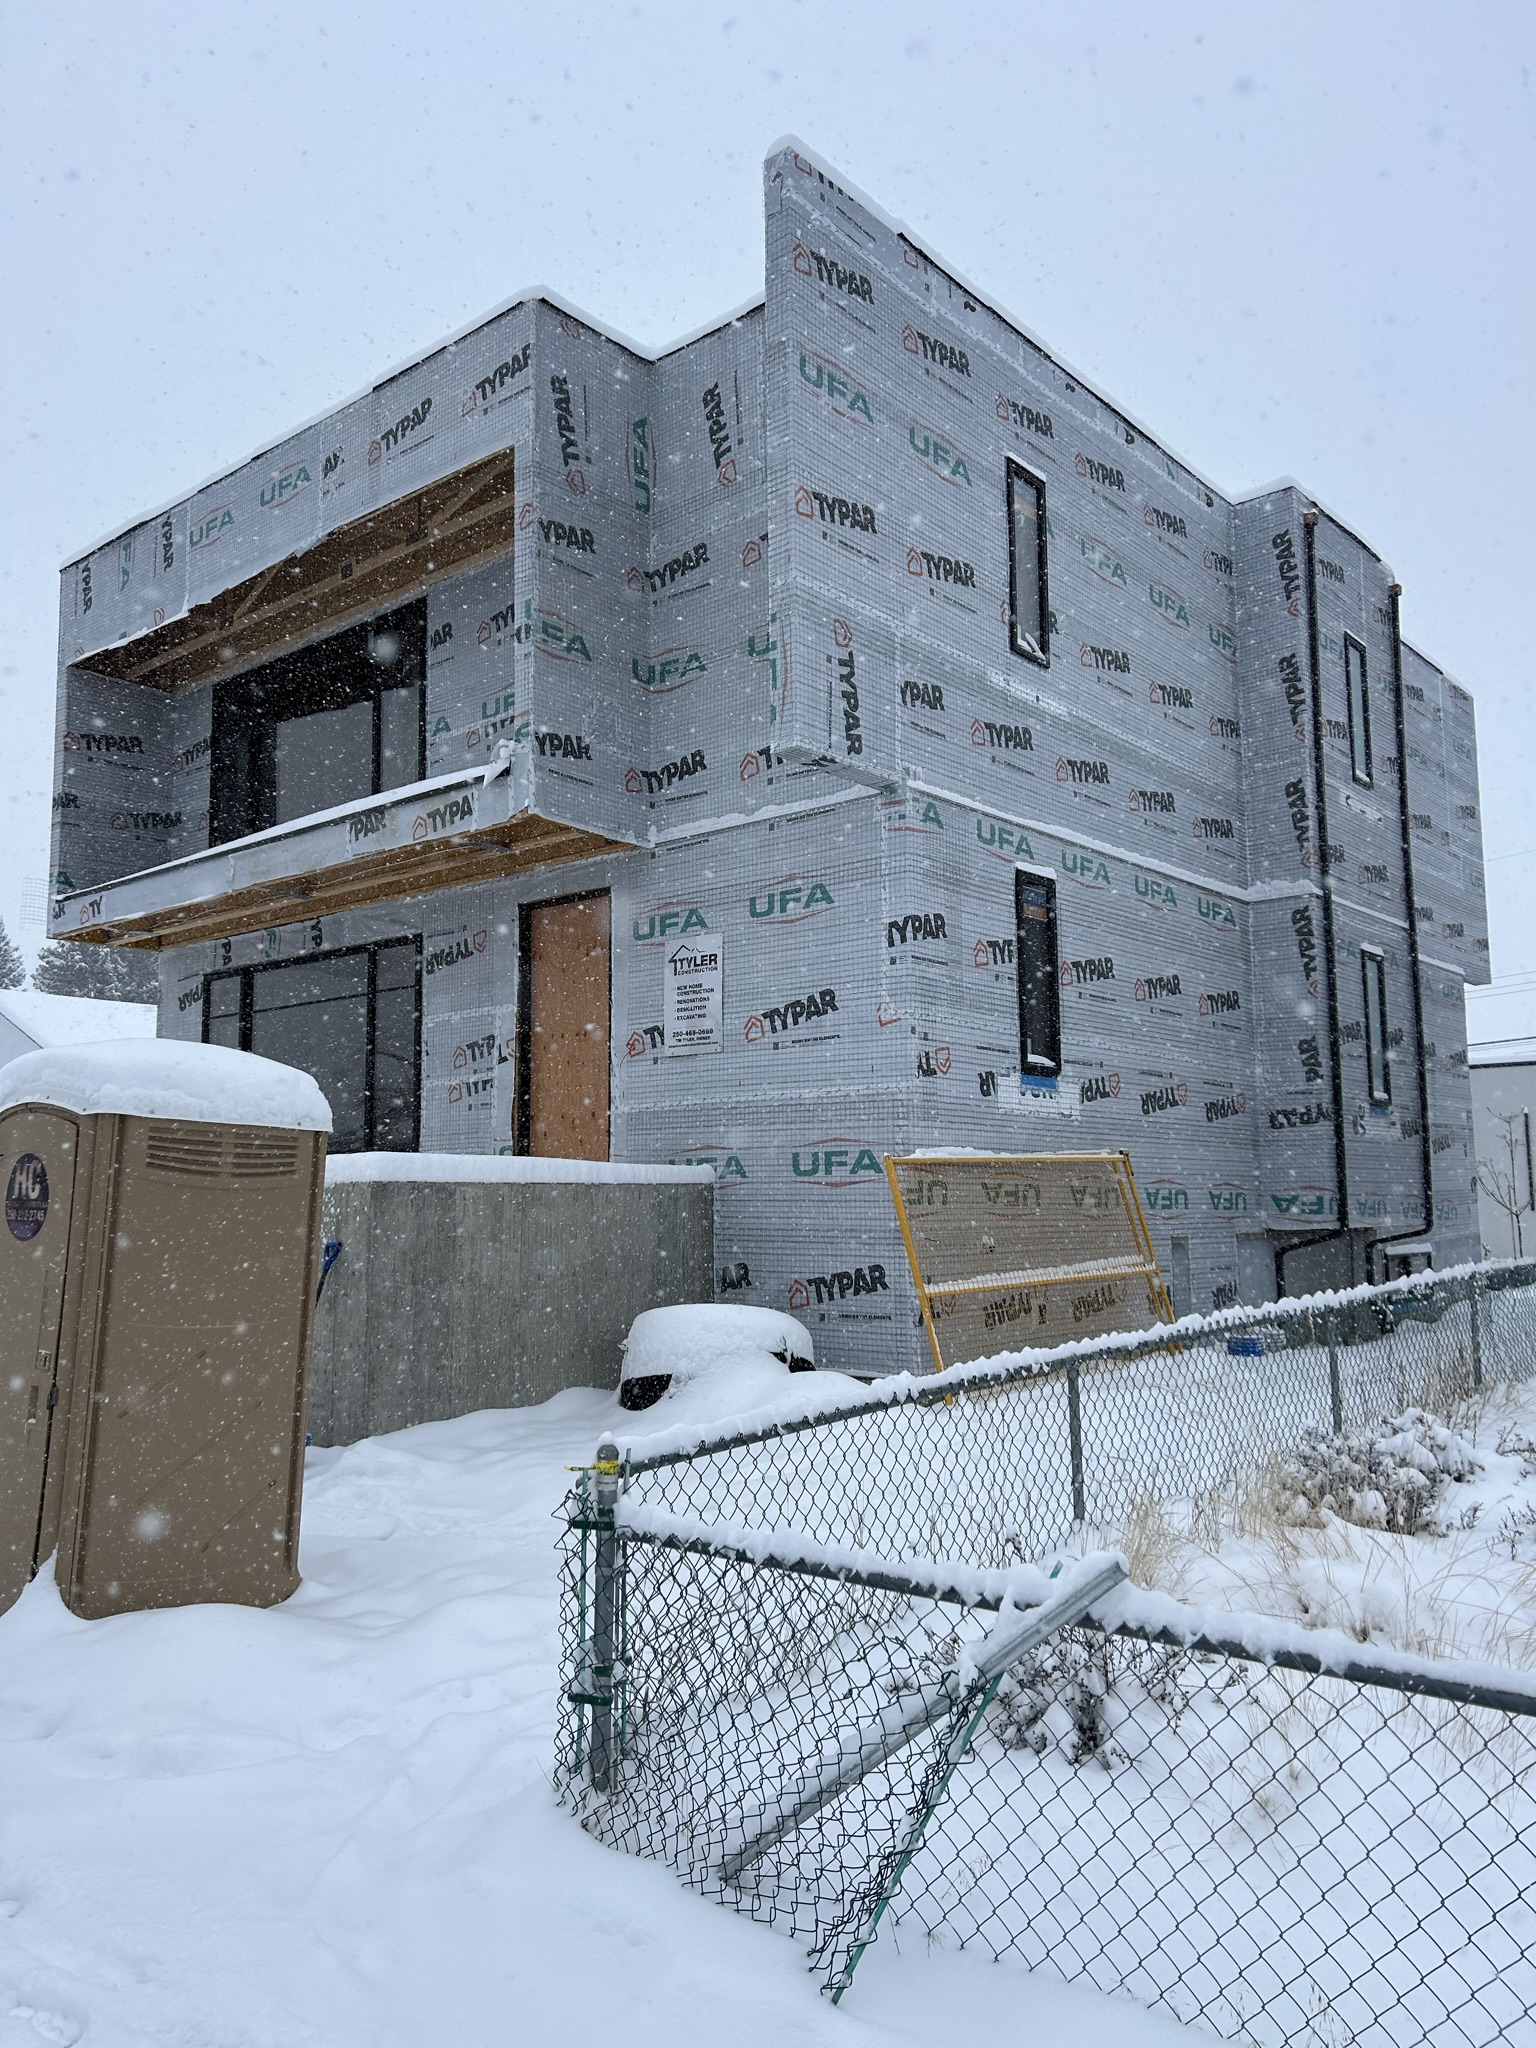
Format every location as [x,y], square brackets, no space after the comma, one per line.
[470,1283]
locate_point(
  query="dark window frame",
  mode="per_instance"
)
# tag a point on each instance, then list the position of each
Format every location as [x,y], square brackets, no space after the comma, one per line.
[1046,1027]
[246,976]
[1038,653]
[1378,1068]
[243,728]
[1359,725]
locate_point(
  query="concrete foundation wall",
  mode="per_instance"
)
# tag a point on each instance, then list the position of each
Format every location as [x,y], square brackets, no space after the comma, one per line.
[453,1296]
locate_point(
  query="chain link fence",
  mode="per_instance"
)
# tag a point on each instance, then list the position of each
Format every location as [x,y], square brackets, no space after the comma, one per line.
[806,1667]
[1004,1460]
[1189,1808]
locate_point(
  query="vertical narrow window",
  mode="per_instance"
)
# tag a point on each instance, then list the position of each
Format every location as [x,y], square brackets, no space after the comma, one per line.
[1028,601]
[1378,1077]
[1034,906]
[1355,679]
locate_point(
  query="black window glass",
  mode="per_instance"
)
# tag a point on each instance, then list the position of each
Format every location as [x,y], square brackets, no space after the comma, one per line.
[1378,1073]
[325,725]
[1039,985]
[323,759]
[221,1020]
[1355,677]
[351,1019]
[394,1049]
[1029,608]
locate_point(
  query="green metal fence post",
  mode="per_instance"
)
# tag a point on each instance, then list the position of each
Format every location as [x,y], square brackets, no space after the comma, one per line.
[1474,1303]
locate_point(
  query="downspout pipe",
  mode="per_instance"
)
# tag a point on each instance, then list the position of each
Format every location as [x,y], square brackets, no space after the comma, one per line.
[1426,1145]
[1325,868]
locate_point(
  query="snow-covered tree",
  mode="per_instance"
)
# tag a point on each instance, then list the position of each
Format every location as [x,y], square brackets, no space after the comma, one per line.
[13,969]
[70,969]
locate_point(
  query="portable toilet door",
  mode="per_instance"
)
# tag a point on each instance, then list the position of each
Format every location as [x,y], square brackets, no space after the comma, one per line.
[39,1158]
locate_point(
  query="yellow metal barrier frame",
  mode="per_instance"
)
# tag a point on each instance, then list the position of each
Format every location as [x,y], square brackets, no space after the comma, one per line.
[1116,1163]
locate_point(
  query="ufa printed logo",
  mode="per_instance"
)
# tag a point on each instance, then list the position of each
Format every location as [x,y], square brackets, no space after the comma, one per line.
[937,454]
[791,900]
[1168,604]
[284,486]
[835,1163]
[1104,564]
[835,384]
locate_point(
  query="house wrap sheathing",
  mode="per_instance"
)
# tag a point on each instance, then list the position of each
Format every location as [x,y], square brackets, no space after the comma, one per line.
[733,634]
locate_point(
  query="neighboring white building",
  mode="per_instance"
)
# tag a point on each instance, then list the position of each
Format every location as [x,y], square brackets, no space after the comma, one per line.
[29,1019]
[1503,1106]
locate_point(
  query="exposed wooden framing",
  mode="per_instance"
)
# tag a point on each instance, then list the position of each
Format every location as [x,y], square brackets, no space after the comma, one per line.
[522,842]
[394,552]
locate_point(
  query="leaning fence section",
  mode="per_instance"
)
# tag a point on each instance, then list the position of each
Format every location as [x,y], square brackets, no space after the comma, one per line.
[1257,1828]
[1003,1461]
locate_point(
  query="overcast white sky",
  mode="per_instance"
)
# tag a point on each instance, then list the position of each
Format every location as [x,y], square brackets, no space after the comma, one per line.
[1293,239]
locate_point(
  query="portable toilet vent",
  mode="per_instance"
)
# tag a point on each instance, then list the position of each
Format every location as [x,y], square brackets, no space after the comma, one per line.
[158,1264]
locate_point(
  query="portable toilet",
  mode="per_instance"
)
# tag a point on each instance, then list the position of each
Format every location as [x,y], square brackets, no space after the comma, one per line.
[158,1268]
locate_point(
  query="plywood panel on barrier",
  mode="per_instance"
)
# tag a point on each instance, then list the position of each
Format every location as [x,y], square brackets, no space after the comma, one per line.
[1012,1249]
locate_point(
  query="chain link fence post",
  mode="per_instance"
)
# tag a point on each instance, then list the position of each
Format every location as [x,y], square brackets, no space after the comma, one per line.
[1475,1305]
[1075,1440]
[597,1669]
[1335,1373]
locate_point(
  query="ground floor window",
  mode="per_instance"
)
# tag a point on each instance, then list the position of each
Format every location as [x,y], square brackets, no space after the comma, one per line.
[352,1019]
[1034,904]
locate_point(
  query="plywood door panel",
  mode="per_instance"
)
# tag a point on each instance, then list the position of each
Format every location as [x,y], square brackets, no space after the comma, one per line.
[566,1046]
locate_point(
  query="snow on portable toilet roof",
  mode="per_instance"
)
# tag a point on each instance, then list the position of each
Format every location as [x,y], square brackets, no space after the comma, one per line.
[165,1077]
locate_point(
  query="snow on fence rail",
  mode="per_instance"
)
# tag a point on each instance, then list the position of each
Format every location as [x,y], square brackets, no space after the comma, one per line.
[1005,1459]
[1272,1832]
[796,1671]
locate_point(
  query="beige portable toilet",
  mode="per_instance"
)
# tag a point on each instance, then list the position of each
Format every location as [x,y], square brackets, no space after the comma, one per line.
[158,1265]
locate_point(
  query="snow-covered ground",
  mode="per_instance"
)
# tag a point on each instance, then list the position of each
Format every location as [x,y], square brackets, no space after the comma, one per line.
[1465,1588]
[330,1825]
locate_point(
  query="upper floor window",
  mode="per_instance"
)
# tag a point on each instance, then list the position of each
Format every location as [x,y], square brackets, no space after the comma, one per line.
[1034,952]
[1378,1074]
[1355,679]
[340,719]
[1029,614]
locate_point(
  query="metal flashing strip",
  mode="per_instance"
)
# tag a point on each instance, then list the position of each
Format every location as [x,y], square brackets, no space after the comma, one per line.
[437,835]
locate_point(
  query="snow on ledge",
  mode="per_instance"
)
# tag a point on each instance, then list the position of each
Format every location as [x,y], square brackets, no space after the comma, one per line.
[165,1077]
[473,1166]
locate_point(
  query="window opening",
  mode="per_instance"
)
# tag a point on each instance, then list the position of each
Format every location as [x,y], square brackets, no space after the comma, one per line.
[1356,677]
[350,1018]
[340,719]
[1034,903]
[1029,604]
[1378,1075]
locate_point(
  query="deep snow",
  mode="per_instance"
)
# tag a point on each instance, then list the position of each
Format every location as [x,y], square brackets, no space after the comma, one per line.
[330,1825]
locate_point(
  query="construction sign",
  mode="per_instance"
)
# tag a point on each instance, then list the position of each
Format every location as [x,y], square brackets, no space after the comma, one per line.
[1013,1250]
